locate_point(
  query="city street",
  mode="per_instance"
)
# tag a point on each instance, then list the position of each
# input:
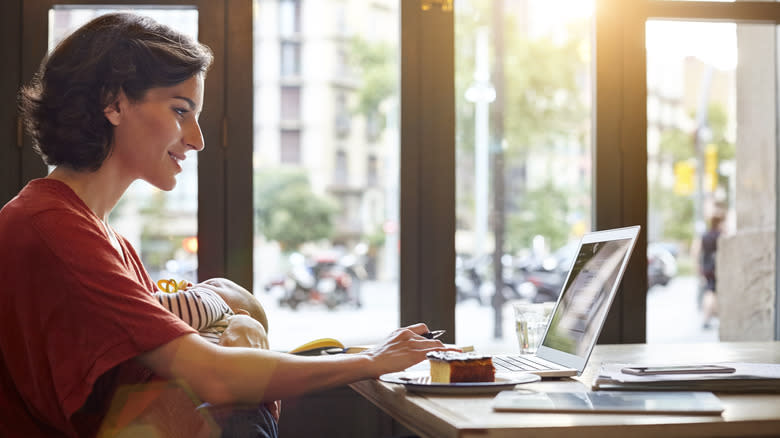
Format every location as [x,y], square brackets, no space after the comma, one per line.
[672,317]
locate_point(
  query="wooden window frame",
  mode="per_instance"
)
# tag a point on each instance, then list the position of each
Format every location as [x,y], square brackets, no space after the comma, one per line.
[427,290]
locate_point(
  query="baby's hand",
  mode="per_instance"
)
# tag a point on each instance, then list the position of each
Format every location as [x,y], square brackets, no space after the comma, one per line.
[244,331]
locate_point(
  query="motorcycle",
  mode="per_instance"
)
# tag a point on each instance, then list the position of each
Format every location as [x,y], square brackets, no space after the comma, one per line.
[542,278]
[334,282]
[352,264]
[299,283]
[469,282]
[321,280]
[661,265]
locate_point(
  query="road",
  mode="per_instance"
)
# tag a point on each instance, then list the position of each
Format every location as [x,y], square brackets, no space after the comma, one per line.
[672,317]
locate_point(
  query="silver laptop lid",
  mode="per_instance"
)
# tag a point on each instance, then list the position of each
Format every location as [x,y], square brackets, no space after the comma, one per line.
[587,294]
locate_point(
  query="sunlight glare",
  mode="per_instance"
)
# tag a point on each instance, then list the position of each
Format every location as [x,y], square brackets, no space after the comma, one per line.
[713,43]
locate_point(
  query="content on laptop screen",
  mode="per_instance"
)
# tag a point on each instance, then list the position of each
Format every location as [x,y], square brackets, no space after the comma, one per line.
[585,299]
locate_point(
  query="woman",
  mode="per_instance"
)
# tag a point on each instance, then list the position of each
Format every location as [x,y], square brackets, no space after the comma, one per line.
[81,335]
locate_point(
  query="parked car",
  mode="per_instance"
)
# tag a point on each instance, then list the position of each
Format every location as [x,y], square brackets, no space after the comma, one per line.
[546,276]
[661,264]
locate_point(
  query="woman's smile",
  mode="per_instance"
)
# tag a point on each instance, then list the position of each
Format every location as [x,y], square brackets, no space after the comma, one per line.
[177,159]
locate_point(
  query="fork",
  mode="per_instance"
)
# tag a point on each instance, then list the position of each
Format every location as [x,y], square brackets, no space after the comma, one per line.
[425,380]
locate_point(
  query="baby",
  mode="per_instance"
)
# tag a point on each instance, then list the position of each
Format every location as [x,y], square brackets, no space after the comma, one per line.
[208,306]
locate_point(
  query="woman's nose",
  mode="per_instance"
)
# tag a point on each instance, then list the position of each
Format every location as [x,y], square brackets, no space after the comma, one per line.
[194,137]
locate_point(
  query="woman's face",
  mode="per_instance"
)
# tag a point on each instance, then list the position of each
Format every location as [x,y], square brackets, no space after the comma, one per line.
[153,135]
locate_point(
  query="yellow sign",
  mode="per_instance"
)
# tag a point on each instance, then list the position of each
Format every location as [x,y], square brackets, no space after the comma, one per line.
[683,178]
[711,167]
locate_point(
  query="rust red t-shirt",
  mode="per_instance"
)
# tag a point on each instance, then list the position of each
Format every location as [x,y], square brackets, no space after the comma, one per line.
[73,312]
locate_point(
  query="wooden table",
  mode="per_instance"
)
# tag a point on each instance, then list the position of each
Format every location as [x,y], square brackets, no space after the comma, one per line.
[442,416]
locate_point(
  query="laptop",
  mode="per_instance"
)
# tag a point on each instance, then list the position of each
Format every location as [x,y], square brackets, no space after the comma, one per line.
[581,309]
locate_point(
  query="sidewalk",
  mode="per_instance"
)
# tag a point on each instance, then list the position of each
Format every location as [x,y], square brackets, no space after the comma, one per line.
[673,315]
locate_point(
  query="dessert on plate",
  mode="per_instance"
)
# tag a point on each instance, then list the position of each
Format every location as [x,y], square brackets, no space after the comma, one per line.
[458,367]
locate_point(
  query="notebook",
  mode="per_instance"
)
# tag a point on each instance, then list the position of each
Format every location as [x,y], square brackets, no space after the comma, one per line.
[581,309]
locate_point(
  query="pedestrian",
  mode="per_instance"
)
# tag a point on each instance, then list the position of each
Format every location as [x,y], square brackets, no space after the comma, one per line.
[708,271]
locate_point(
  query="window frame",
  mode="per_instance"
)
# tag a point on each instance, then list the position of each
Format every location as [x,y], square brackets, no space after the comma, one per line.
[621,133]
[224,168]
[427,157]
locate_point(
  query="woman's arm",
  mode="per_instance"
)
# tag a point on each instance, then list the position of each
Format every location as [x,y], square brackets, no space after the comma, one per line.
[221,375]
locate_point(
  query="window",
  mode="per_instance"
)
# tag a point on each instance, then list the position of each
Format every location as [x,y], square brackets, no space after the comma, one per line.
[291,103]
[343,119]
[711,128]
[289,17]
[144,215]
[323,264]
[162,226]
[372,171]
[627,109]
[290,58]
[341,169]
[290,141]
[523,158]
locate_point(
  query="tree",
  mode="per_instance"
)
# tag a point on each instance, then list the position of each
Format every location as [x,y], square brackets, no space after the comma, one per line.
[544,109]
[676,212]
[544,213]
[287,210]
[374,62]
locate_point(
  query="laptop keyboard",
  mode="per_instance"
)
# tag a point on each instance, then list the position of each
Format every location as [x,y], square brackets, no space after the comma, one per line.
[519,363]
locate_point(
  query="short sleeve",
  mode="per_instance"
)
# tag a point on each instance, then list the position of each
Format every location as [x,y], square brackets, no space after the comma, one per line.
[93,310]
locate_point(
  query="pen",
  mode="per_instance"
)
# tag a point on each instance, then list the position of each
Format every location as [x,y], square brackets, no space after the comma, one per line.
[434,334]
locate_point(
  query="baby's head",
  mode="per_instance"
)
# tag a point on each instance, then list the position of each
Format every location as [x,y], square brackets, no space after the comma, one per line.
[239,299]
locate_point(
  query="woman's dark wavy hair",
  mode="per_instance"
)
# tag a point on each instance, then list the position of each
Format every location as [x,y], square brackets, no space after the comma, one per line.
[63,105]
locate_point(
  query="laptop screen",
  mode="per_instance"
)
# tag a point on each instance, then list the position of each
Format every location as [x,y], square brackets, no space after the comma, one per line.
[586,297]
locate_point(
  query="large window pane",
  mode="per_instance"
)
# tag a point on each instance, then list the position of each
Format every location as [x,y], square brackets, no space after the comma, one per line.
[711,160]
[523,157]
[723,1]
[326,169]
[162,226]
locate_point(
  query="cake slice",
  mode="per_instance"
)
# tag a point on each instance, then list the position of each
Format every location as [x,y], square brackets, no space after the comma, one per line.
[455,367]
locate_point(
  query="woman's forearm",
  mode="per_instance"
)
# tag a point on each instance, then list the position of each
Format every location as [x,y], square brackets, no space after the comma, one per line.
[219,375]
[252,375]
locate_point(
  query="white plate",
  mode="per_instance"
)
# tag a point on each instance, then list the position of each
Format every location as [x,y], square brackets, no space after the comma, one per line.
[419,381]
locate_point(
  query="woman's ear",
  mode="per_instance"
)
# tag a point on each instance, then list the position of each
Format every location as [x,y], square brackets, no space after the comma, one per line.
[113,111]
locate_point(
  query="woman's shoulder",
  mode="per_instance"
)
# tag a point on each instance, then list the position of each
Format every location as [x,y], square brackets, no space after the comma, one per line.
[46,208]
[40,196]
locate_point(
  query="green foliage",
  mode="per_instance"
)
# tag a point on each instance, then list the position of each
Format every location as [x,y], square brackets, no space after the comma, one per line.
[376,239]
[542,101]
[544,213]
[676,213]
[374,63]
[157,246]
[541,89]
[718,123]
[675,145]
[543,107]
[287,210]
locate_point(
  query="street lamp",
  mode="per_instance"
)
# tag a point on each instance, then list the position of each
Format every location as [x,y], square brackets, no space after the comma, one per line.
[481,93]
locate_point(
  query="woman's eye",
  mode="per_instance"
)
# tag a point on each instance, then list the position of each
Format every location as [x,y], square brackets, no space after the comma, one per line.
[180,111]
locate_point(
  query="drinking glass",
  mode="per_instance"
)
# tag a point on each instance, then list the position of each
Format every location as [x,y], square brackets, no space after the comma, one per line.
[530,321]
